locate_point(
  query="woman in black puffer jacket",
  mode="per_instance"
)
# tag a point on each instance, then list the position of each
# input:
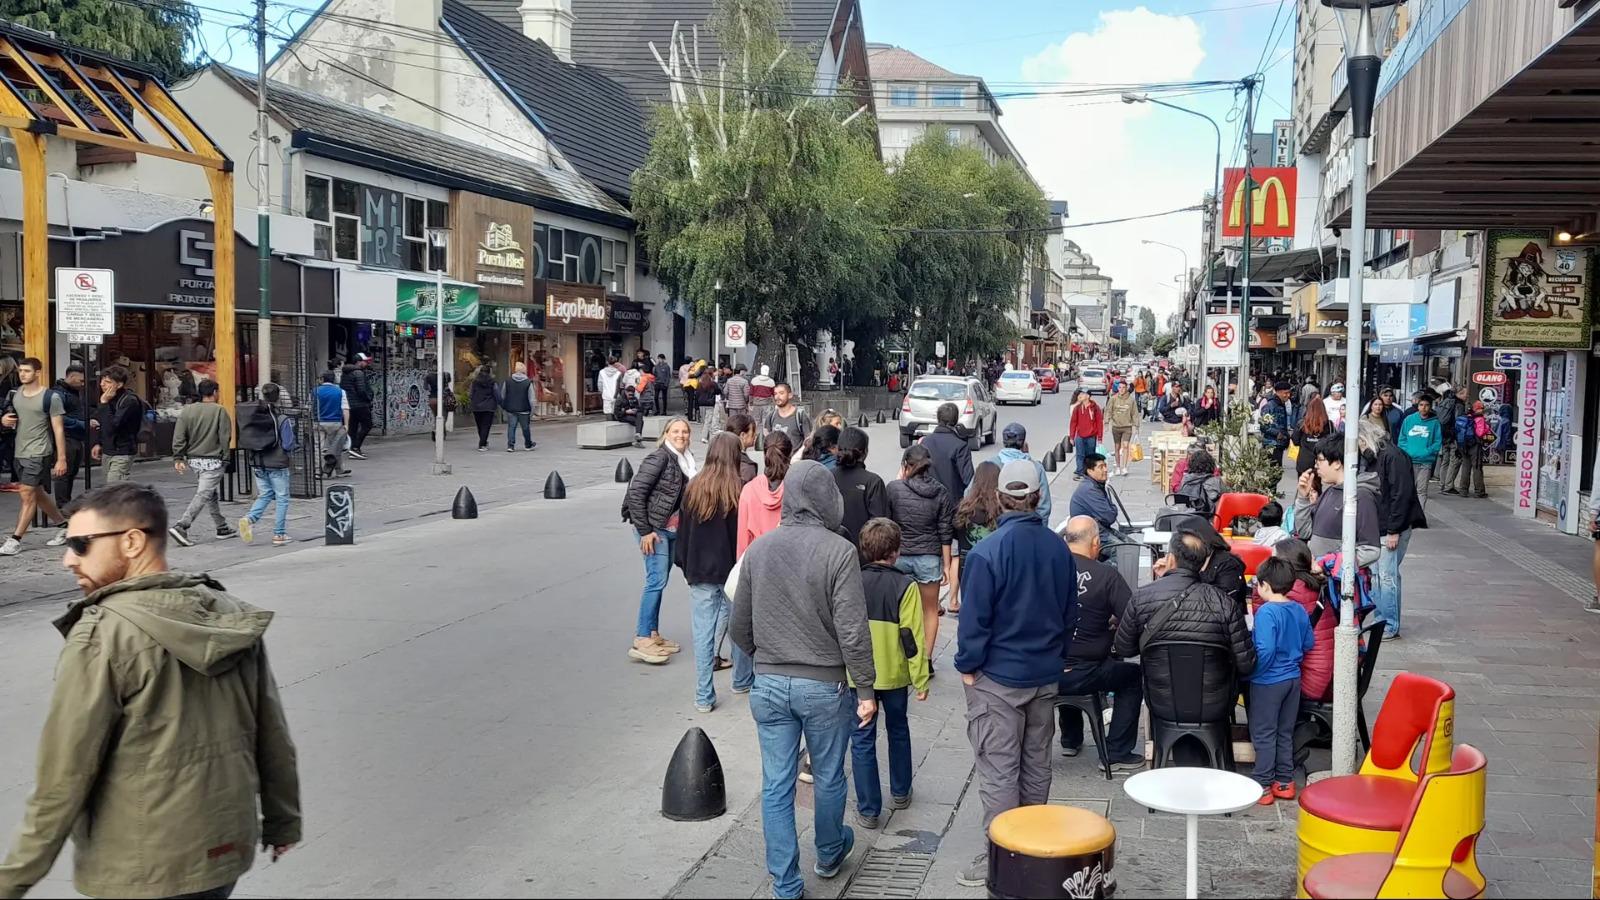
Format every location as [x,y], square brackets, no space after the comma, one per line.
[481,398]
[923,509]
[652,506]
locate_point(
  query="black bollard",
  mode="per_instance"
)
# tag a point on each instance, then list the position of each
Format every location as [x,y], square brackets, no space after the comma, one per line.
[624,471]
[880,417]
[694,790]
[554,487]
[1061,451]
[339,527]
[761,443]
[862,422]
[465,507]
[1049,462]
[896,414]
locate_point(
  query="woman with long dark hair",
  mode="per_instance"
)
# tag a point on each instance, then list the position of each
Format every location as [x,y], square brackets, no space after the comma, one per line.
[707,543]
[743,427]
[822,445]
[923,509]
[865,496]
[977,515]
[481,396]
[1314,427]
[1316,668]
[654,496]
[1209,409]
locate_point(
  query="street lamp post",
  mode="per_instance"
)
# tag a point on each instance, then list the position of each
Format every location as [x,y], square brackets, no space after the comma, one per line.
[1216,202]
[438,239]
[1362,65]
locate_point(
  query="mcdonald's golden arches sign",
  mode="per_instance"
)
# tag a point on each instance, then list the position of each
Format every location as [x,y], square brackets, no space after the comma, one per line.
[1271,206]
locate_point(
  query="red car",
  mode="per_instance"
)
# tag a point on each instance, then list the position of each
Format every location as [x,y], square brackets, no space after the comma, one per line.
[1047,380]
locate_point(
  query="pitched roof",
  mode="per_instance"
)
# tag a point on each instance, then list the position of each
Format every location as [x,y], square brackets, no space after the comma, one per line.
[592,119]
[385,143]
[887,62]
[615,35]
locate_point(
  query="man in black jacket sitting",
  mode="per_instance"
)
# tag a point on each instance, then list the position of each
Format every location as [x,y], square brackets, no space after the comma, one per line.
[1103,596]
[1180,606]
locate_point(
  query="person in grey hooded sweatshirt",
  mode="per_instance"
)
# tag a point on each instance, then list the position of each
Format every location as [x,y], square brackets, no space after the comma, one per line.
[1319,505]
[801,613]
[517,397]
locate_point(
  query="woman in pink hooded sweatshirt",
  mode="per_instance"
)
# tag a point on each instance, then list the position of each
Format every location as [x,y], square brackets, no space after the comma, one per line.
[761,501]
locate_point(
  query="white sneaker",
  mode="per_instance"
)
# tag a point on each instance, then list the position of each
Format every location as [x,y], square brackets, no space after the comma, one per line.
[59,539]
[11,547]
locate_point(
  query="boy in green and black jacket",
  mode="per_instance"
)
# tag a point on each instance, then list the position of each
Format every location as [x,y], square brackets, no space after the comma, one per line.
[894,615]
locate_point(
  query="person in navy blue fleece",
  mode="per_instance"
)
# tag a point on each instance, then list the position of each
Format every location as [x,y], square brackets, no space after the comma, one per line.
[1282,636]
[1020,604]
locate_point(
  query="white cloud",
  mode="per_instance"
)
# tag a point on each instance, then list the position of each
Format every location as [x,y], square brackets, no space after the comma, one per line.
[1108,159]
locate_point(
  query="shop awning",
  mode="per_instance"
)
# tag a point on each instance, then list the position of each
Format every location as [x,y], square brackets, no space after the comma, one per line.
[1457,147]
[1270,269]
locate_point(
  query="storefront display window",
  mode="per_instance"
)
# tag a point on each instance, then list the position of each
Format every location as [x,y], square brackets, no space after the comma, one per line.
[11,330]
[597,350]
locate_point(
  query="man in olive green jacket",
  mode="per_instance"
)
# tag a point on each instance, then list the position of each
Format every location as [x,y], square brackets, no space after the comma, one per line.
[164,727]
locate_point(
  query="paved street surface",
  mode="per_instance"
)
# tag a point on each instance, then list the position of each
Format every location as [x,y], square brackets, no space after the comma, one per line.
[469,724]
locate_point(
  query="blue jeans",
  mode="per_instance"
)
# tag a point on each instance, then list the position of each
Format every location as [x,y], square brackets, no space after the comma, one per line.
[1084,446]
[712,610]
[657,569]
[1387,596]
[271,484]
[784,708]
[864,752]
[515,421]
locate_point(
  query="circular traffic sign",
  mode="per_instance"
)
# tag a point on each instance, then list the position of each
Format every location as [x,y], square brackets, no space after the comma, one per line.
[1222,335]
[735,331]
[84,281]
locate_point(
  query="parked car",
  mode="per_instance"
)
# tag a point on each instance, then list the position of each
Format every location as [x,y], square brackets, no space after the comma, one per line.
[1019,386]
[1048,380]
[1094,380]
[919,412]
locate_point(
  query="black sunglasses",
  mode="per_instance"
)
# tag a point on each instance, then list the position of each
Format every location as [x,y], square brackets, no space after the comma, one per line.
[79,543]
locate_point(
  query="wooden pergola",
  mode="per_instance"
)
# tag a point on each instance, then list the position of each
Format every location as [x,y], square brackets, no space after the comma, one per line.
[48,88]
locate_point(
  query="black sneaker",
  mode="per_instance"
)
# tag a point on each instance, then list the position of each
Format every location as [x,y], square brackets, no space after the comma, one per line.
[224,532]
[532,446]
[181,535]
[1130,763]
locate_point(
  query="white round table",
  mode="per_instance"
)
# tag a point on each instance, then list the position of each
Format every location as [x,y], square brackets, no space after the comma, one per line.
[1193,792]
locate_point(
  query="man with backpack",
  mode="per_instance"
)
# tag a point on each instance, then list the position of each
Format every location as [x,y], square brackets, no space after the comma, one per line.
[662,383]
[121,416]
[270,439]
[356,380]
[1473,436]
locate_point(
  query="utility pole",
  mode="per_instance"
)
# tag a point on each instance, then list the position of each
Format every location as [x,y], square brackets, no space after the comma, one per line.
[1249,214]
[263,205]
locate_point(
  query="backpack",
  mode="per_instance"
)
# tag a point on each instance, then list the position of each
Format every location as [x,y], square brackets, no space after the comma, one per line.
[1466,432]
[260,432]
[1333,592]
[1480,426]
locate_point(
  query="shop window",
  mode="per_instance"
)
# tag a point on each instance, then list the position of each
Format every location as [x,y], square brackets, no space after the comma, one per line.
[346,197]
[589,260]
[346,238]
[416,217]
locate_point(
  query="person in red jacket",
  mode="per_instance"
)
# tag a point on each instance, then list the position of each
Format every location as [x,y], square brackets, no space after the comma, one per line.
[1316,667]
[1086,428]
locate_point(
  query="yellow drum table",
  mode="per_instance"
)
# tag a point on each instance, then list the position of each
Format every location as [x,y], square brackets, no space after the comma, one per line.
[1050,851]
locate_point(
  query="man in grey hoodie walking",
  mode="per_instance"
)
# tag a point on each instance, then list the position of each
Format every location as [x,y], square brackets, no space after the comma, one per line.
[800,612]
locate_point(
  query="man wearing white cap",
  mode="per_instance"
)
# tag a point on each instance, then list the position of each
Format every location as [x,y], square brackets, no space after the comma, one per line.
[1020,604]
[1334,404]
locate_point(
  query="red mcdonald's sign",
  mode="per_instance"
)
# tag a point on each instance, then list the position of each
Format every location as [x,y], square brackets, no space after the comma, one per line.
[1272,202]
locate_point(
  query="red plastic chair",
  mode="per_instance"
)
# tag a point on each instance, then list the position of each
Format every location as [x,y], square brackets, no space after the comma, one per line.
[1234,506]
[1252,553]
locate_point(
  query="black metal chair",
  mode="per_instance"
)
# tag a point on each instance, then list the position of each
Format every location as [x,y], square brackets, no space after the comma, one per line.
[1315,726]
[1091,706]
[1185,711]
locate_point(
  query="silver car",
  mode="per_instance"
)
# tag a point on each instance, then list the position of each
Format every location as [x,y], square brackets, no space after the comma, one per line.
[919,411]
[1093,380]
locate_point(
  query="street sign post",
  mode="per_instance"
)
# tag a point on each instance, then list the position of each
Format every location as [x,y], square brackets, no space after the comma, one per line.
[1223,334]
[86,301]
[938,348]
[733,333]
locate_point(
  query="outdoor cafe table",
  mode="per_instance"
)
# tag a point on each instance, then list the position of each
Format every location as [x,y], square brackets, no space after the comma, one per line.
[1193,792]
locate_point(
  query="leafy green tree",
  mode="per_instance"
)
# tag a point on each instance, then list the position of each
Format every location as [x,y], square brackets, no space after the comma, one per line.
[967,228]
[1147,328]
[1164,343]
[759,195]
[161,34]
